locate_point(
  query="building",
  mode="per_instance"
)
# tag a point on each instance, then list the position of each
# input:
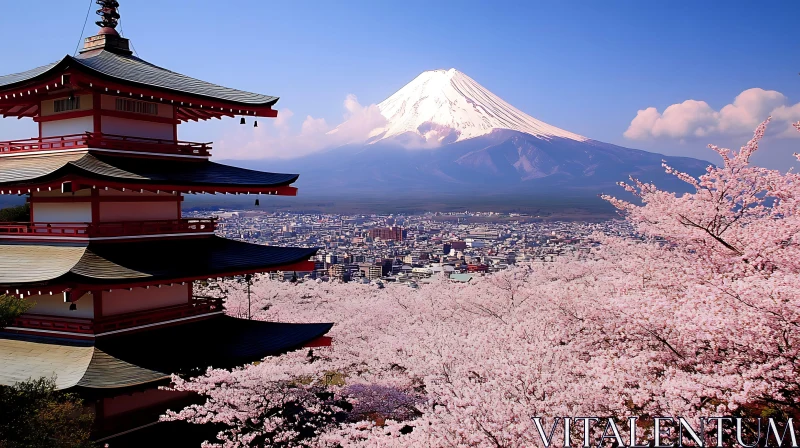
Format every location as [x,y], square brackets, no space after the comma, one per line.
[339,272]
[458,245]
[483,234]
[475,243]
[411,259]
[106,256]
[387,266]
[371,271]
[387,233]
[477,268]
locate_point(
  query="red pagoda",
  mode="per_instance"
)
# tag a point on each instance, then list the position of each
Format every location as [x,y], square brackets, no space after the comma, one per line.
[106,257]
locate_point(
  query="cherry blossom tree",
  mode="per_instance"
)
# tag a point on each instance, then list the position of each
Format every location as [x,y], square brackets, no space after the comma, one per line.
[696,313]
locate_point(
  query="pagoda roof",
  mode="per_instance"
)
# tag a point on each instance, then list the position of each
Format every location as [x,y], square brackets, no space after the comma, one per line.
[139,358]
[160,261]
[70,363]
[134,71]
[97,169]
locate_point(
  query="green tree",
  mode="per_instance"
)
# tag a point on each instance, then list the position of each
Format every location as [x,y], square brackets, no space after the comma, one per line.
[20,213]
[34,414]
[11,307]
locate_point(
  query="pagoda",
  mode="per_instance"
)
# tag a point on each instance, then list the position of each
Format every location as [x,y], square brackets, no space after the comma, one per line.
[106,257]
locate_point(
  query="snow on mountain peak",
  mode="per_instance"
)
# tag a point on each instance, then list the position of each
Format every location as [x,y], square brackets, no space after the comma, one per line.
[445,106]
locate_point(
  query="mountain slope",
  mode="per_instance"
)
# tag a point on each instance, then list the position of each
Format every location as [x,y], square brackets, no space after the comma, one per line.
[502,162]
[445,133]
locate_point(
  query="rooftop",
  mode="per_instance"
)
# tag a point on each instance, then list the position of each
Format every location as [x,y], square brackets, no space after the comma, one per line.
[121,362]
[126,75]
[43,267]
[92,168]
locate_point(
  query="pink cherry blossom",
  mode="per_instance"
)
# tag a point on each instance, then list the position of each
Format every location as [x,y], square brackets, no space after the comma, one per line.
[697,314]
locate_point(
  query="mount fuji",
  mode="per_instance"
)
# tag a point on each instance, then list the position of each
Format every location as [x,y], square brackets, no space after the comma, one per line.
[447,106]
[443,133]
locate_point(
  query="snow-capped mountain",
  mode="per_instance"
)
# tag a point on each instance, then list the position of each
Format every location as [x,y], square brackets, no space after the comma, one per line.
[447,106]
[483,146]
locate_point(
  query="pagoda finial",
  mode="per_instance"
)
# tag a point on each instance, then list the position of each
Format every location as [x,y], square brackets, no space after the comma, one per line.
[107,38]
[108,11]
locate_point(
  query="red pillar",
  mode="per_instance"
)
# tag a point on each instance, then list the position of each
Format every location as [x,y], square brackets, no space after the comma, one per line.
[97,297]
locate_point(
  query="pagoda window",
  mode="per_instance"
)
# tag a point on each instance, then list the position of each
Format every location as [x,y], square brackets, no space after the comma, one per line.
[63,105]
[137,107]
[67,104]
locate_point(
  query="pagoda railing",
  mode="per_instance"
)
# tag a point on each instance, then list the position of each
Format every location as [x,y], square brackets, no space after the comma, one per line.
[106,141]
[197,307]
[109,229]
[54,323]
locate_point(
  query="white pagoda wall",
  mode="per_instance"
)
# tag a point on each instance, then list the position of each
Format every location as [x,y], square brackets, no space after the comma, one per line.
[135,128]
[109,211]
[62,212]
[67,127]
[138,211]
[53,305]
[139,299]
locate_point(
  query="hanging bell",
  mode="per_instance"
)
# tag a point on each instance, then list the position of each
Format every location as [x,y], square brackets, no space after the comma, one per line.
[242,121]
[255,125]
[73,307]
[258,202]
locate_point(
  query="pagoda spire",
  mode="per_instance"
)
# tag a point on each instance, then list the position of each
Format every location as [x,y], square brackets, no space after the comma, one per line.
[107,38]
[108,11]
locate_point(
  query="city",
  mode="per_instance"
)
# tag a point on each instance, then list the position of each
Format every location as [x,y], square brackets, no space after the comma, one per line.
[412,248]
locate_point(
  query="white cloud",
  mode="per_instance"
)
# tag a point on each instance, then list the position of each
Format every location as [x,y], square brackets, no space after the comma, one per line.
[315,134]
[693,118]
[788,115]
[281,123]
[359,122]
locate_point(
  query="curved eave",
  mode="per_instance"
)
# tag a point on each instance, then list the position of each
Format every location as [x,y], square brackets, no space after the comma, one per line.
[21,175]
[71,364]
[260,105]
[227,342]
[54,182]
[150,356]
[37,75]
[32,268]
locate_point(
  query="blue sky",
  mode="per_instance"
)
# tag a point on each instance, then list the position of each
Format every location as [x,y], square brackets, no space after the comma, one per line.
[585,66]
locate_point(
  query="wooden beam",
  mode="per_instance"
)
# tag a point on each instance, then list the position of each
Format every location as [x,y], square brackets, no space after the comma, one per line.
[90,82]
[202,113]
[65,116]
[29,112]
[191,114]
[12,112]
